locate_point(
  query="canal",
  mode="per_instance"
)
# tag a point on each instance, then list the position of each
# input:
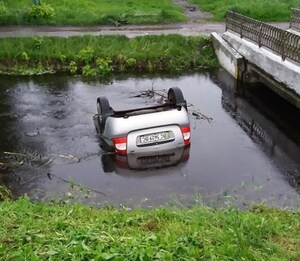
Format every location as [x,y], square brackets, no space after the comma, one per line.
[49,150]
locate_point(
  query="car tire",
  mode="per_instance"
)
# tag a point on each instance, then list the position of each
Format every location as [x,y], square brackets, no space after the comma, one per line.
[104,111]
[175,96]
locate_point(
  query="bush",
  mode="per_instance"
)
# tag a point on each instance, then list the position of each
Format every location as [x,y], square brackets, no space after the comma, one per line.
[88,71]
[104,66]
[3,9]
[131,63]
[24,57]
[86,55]
[73,67]
[39,13]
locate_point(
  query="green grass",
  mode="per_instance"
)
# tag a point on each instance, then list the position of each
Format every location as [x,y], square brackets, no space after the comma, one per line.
[98,55]
[90,12]
[265,10]
[39,231]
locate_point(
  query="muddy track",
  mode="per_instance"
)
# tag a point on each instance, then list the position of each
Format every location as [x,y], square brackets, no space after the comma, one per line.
[186,29]
[128,30]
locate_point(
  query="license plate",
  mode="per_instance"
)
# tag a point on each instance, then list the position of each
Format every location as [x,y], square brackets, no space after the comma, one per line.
[150,160]
[157,137]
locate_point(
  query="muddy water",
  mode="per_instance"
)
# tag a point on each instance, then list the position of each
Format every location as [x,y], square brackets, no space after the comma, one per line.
[250,151]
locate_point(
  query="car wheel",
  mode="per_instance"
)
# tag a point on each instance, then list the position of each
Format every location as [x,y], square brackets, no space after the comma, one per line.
[104,111]
[175,96]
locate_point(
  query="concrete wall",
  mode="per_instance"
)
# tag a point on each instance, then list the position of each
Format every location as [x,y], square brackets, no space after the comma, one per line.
[248,62]
[285,72]
[228,57]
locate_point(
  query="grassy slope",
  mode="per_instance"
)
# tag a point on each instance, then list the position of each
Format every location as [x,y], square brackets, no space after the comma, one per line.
[66,232]
[266,10]
[91,12]
[148,53]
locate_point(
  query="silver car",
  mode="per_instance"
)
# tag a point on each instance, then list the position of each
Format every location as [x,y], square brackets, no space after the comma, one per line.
[152,129]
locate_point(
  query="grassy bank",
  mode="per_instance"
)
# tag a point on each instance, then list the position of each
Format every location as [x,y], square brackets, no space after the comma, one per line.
[103,55]
[89,12]
[265,10]
[64,232]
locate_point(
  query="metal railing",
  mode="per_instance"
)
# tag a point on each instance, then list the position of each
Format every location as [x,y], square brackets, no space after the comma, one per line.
[295,19]
[282,42]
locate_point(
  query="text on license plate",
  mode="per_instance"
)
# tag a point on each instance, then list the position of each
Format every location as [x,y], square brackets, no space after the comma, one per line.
[155,137]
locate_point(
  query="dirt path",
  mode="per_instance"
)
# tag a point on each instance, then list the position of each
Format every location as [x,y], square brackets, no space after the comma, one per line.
[192,12]
[186,29]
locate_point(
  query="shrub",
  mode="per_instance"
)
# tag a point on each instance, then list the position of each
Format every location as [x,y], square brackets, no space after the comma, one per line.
[37,41]
[62,58]
[130,62]
[3,9]
[38,13]
[88,71]
[104,66]
[73,67]
[86,55]
[24,57]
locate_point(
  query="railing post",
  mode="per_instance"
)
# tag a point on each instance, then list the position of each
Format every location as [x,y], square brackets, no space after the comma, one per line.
[241,31]
[283,56]
[291,18]
[259,36]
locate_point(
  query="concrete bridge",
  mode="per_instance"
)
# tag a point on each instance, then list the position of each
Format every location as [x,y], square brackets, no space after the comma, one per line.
[253,51]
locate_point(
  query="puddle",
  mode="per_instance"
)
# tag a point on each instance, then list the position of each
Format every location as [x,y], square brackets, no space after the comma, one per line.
[248,152]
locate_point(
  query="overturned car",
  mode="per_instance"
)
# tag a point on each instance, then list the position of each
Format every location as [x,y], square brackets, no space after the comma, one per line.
[158,128]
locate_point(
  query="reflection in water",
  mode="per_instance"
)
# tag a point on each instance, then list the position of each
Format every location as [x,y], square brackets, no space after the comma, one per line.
[268,119]
[120,163]
[249,150]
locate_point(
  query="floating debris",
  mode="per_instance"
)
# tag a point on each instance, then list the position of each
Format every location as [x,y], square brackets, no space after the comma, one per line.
[73,184]
[70,157]
[201,116]
[151,93]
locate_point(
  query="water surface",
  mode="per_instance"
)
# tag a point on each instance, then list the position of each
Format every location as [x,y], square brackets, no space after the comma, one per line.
[248,152]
